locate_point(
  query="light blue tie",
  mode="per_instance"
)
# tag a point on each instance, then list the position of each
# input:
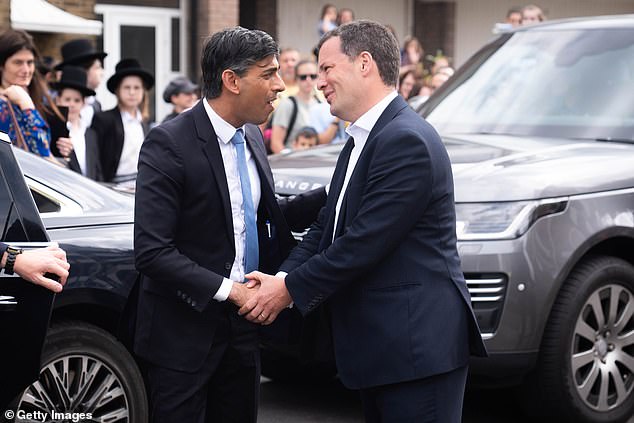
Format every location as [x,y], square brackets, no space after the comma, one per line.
[251,254]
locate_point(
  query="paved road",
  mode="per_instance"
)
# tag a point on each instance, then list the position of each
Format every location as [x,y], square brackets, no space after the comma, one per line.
[331,403]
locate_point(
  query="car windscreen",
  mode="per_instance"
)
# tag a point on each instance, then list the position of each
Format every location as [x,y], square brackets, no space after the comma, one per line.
[548,83]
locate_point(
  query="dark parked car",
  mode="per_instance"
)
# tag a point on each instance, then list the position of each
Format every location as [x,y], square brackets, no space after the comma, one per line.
[84,368]
[539,125]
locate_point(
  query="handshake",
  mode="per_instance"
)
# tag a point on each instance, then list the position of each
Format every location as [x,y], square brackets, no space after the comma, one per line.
[262,298]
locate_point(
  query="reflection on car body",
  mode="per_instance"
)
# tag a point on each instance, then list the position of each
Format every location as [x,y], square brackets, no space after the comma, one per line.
[84,367]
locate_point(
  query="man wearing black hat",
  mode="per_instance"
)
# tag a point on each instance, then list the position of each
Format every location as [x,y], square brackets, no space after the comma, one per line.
[81,52]
[121,130]
[182,93]
[80,144]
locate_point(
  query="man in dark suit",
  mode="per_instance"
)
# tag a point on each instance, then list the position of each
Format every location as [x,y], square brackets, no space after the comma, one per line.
[81,52]
[205,215]
[383,251]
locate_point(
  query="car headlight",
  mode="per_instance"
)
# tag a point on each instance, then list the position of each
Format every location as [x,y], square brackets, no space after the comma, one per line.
[508,220]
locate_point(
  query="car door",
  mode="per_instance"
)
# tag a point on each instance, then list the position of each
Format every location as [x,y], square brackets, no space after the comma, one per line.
[25,308]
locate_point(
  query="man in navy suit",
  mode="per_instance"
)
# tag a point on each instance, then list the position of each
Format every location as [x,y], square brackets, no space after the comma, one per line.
[383,251]
[205,215]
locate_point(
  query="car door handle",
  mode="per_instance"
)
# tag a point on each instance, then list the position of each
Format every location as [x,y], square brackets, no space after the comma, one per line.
[7,303]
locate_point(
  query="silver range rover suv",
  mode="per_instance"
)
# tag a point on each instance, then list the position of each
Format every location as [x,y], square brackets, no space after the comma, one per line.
[539,125]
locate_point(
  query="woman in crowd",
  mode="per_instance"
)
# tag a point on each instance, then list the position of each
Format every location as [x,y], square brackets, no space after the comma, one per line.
[121,130]
[412,55]
[328,20]
[80,147]
[406,84]
[24,99]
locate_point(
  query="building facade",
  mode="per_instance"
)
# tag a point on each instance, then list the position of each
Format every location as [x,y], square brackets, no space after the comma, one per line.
[166,35]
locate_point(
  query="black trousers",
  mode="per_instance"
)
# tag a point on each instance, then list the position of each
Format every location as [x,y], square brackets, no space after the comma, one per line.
[225,389]
[435,399]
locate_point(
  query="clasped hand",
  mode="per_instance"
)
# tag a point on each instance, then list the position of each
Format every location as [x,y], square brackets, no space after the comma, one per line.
[262,298]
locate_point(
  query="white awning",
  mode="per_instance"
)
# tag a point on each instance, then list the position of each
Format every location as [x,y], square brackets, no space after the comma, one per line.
[41,16]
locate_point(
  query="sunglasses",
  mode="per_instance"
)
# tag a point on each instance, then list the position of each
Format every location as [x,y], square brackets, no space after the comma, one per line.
[312,76]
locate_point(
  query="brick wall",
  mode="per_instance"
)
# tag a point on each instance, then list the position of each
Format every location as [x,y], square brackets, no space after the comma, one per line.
[5,15]
[212,16]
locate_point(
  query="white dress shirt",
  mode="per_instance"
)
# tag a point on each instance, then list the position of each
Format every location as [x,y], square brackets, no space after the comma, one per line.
[360,130]
[87,112]
[133,137]
[225,132]
[78,138]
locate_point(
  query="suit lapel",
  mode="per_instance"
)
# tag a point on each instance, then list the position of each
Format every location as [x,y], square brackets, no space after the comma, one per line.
[119,136]
[254,141]
[388,114]
[336,184]
[209,140]
[267,194]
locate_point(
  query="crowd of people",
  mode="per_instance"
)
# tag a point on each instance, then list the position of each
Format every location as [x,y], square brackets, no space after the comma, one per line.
[52,111]
[302,117]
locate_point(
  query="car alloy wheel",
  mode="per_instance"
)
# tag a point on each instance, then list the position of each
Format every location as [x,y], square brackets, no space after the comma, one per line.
[74,384]
[602,359]
[86,375]
[585,370]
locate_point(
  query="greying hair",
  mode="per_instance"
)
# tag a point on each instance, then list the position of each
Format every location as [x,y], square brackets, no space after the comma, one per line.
[363,35]
[235,49]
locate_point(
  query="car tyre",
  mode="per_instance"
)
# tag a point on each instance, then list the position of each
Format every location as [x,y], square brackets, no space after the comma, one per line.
[86,370]
[585,371]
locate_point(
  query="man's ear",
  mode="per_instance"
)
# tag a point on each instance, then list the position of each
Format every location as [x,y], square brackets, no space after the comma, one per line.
[365,61]
[231,81]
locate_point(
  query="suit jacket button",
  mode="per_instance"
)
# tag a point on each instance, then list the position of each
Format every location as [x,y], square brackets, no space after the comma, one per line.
[228,266]
[193,303]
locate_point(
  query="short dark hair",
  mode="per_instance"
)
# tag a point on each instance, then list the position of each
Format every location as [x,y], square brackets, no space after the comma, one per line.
[236,49]
[307,132]
[363,35]
[302,63]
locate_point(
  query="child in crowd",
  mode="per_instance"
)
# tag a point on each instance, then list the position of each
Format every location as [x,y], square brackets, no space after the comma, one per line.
[305,138]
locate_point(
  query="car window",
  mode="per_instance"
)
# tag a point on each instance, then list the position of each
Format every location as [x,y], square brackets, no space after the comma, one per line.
[45,204]
[572,84]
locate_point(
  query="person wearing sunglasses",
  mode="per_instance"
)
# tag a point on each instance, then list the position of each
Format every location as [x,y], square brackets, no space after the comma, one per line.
[293,113]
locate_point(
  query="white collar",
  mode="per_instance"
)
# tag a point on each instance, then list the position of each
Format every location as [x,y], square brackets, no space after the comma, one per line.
[224,130]
[127,117]
[361,128]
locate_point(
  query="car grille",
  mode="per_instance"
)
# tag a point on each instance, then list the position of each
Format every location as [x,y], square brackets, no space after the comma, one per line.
[487,292]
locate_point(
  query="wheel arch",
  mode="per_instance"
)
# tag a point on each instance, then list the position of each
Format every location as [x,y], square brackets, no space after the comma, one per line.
[98,307]
[614,242]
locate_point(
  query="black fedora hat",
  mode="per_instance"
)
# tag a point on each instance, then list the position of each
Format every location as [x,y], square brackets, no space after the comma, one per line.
[73,77]
[79,51]
[127,67]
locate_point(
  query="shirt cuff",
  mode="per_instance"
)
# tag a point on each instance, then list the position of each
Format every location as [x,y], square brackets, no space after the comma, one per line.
[283,276]
[223,292]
